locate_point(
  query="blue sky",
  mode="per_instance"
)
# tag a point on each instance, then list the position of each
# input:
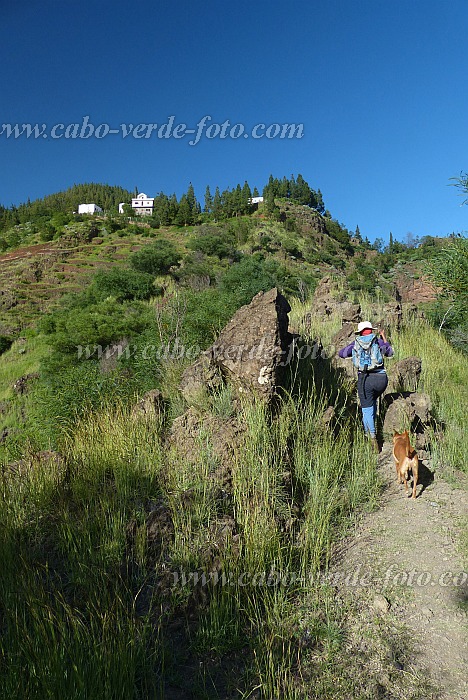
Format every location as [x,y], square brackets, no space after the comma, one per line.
[380,88]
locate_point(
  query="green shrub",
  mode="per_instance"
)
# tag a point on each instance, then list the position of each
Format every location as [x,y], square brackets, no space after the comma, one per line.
[197,265]
[96,324]
[155,259]
[291,246]
[121,284]
[76,390]
[255,274]
[240,229]
[206,313]
[212,245]
[48,232]
[60,219]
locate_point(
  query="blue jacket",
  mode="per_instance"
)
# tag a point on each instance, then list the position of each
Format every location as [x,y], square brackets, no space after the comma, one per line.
[385,348]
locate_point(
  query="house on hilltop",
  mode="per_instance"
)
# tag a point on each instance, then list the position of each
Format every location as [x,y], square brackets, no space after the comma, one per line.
[89,209]
[143,205]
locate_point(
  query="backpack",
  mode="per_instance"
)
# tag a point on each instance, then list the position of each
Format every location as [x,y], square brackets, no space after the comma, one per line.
[367,355]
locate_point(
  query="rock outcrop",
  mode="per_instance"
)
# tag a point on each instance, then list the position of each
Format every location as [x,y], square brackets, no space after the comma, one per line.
[150,406]
[404,375]
[329,298]
[203,374]
[350,313]
[21,386]
[408,410]
[412,288]
[251,351]
[193,431]
[392,316]
[343,337]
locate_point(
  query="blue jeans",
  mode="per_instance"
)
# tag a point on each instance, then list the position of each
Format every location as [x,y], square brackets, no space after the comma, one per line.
[370,387]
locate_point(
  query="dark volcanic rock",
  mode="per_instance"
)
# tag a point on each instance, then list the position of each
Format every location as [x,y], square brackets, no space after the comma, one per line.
[250,351]
[408,409]
[404,375]
[151,405]
[21,386]
[189,435]
[203,374]
[343,337]
[392,316]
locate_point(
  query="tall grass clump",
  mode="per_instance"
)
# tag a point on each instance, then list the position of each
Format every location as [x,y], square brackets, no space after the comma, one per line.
[296,486]
[444,378]
[67,593]
[139,564]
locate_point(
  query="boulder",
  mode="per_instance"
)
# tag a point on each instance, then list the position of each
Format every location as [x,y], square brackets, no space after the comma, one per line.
[380,603]
[392,316]
[330,298]
[189,434]
[409,409]
[344,336]
[250,352]
[21,386]
[250,349]
[350,313]
[159,525]
[341,339]
[413,289]
[151,405]
[203,374]
[326,296]
[404,375]
[327,417]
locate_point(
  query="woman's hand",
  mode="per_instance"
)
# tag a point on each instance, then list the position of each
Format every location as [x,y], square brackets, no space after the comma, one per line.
[382,335]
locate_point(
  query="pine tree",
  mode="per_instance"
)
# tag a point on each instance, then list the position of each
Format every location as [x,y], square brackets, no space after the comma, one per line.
[184,215]
[191,199]
[246,197]
[208,200]
[320,206]
[217,205]
[173,208]
[390,243]
[237,200]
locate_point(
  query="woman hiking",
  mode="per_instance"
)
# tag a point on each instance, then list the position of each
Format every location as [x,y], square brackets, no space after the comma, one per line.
[367,351]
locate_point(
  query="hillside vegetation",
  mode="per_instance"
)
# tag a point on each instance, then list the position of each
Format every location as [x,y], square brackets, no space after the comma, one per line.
[135,568]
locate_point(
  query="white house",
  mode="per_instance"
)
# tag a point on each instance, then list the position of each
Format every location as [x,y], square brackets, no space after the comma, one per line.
[256,200]
[143,205]
[121,207]
[89,209]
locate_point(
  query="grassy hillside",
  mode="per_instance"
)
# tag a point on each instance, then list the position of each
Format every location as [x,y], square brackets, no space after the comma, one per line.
[44,261]
[96,542]
[136,568]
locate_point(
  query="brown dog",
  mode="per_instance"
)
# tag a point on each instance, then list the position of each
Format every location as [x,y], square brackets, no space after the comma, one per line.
[406,459]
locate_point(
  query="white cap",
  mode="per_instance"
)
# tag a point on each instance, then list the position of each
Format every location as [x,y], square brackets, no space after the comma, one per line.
[363,325]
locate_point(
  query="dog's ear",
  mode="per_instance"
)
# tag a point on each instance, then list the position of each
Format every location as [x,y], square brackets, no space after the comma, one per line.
[395,433]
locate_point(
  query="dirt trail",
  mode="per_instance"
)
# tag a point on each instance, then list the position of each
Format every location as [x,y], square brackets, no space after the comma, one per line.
[418,537]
